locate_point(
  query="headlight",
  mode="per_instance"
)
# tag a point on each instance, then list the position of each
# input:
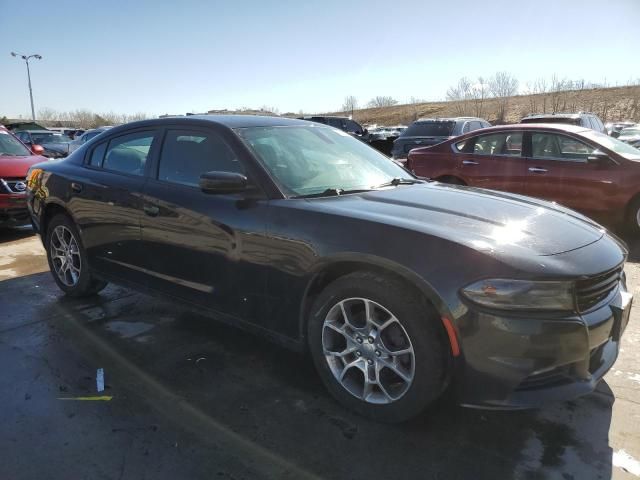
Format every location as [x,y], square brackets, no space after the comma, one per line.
[521,294]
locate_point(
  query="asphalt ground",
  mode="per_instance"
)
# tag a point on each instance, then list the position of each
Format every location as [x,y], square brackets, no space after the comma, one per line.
[187,397]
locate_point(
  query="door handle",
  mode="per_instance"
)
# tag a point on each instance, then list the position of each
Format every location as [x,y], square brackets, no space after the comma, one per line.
[470,162]
[151,210]
[537,170]
[76,187]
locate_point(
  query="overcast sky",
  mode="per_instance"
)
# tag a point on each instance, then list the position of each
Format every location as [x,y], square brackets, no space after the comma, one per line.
[182,56]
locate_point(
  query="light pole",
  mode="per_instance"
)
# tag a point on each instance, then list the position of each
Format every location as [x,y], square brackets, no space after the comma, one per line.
[26,60]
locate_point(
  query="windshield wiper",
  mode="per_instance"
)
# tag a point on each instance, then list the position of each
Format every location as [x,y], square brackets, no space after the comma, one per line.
[333,192]
[398,181]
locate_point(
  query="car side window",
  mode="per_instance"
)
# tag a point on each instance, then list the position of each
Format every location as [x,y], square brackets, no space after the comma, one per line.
[187,154]
[337,123]
[353,127]
[97,155]
[505,143]
[128,153]
[554,146]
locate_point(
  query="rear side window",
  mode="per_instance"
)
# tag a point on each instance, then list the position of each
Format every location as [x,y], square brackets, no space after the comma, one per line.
[187,154]
[430,129]
[128,153]
[353,127]
[506,143]
[554,146]
[97,155]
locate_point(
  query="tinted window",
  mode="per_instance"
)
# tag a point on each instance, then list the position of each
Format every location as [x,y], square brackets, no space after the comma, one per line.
[128,153]
[97,155]
[429,129]
[186,155]
[336,122]
[353,127]
[559,147]
[467,127]
[506,143]
[475,126]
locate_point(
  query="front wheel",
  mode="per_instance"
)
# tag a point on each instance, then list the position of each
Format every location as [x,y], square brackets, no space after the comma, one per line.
[378,346]
[68,260]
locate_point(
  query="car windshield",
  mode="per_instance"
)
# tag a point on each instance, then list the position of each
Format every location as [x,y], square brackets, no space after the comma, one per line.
[630,131]
[11,147]
[39,138]
[430,129]
[309,160]
[621,148]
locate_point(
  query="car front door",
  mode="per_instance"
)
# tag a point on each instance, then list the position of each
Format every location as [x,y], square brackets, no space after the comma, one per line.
[563,169]
[204,247]
[494,161]
[106,202]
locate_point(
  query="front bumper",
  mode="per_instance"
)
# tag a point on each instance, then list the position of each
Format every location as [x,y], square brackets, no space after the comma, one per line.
[13,210]
[519,362]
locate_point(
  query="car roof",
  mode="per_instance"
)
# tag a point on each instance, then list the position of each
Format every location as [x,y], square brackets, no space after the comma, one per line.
[557,115]
[42,131]
[446,119]
[230,121]
[534,126]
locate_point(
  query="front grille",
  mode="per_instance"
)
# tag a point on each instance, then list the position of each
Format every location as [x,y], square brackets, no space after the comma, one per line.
[591,291]
[14,185]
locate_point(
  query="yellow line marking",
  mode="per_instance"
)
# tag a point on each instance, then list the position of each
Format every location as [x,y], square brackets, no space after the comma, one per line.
[104,398]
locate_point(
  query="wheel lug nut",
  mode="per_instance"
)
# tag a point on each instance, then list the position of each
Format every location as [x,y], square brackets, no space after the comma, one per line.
[377,353]
[370,339]
[358,354]
[359,340]
[369,362]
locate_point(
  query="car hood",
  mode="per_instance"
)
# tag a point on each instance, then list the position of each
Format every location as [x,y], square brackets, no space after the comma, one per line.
[17,167]
[482,219]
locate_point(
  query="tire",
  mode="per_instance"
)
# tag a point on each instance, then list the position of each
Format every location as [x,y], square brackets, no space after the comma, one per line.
[632,223]
[416,326]
[68,259]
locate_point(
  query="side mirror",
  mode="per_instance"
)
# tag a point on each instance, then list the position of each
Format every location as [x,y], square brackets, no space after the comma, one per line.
[223,182]
[37,149]
[598,158]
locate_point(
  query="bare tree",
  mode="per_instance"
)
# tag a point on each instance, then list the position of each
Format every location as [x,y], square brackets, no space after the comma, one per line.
[503,85]
[350,104]
[382,101]
[47,114]
[478,93]
[460,94]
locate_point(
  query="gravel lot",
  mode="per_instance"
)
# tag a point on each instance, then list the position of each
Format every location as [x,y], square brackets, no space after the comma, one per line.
[194,399]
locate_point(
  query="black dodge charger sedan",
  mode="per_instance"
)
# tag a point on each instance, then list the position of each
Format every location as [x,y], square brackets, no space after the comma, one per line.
[399,288]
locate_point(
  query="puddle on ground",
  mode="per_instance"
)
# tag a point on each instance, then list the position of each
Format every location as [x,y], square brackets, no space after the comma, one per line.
[129,329]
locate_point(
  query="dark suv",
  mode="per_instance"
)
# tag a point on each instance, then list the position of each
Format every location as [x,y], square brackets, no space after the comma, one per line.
[581,119]
[343,123]
[430,131]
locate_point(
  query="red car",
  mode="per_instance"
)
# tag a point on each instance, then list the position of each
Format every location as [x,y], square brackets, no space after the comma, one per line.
[15,160]
[580,168]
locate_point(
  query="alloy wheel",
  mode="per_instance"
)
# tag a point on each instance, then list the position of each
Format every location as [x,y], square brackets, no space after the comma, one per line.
[368,350]
[65,256]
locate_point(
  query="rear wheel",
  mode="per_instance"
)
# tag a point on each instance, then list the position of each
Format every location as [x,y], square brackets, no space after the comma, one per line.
[68,260]
[632,221]
[377,346]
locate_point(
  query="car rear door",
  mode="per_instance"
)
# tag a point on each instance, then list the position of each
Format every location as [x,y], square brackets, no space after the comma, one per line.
[106,201]
[202,247]
[494,161]
[559,169]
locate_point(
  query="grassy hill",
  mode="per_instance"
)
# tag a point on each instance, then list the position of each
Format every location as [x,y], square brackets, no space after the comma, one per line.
[610,104]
